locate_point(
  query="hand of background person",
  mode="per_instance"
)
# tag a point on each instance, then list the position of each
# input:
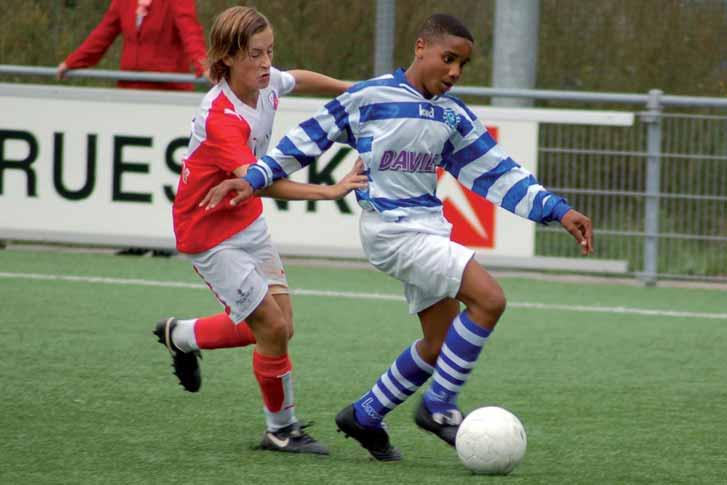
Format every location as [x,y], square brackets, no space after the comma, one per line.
[219,191]
[61,70]
[355,179]
[581,228]
[206,74]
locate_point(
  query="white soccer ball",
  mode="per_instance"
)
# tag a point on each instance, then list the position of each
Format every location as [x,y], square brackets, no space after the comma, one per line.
[491,440]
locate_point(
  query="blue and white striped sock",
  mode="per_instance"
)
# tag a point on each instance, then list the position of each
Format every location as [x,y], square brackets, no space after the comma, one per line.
[401,380]
[458,356]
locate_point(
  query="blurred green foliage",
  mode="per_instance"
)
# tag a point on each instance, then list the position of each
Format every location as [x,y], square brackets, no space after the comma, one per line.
[679,46]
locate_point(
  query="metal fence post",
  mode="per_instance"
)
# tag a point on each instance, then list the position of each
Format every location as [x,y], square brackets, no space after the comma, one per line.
[515,48]
[652,118]
[384,37]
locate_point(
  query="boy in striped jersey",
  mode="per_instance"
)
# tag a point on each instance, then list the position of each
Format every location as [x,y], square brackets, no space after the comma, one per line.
[403,125]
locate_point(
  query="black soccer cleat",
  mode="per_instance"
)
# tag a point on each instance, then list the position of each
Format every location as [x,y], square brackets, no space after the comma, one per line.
[292,439]
[185,364]
[375,440]
[444,425]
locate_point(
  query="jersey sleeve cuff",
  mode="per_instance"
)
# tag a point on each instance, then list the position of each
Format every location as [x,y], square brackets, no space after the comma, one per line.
[560,209]
[256,177]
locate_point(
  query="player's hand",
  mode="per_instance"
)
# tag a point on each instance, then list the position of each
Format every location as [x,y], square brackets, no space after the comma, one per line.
[355,179]
[581,228]
[219,191]
[61,70]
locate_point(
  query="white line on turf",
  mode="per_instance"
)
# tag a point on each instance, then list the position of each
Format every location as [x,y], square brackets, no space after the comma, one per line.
[367,296]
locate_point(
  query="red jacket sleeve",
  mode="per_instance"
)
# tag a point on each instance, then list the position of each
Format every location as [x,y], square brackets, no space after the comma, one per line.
[190,31]
[96,44]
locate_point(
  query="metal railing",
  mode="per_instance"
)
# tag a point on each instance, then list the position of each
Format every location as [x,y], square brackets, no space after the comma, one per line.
[105,74]
[656,191]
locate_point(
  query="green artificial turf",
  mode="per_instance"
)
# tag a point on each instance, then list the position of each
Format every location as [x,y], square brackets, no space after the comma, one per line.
[87,395]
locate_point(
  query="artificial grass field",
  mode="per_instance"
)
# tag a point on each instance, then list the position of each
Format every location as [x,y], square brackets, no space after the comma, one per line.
[87,395]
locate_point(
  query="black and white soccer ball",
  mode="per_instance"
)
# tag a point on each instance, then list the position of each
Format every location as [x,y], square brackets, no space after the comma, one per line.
[491,441]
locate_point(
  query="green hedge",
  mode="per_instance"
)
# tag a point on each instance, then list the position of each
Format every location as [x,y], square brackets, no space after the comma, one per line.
[679,46]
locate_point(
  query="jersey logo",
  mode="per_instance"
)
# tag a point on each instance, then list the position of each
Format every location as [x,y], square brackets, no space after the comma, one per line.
[185,172]
[237,115]
[472,217]
[451,118]
[274,100]
[426,111]
[405,161]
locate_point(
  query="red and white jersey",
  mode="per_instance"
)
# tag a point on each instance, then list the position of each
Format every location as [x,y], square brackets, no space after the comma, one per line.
[226,134]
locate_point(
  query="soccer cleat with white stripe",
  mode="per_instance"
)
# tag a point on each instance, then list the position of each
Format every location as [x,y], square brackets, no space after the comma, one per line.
[292,439]
[185,365]
[444,425]
[375,440]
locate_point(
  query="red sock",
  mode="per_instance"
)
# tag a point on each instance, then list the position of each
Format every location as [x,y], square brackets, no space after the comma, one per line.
[273,376]
[219,332]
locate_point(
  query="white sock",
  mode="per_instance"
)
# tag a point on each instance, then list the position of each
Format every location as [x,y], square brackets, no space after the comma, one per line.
[286,415]
[183,336]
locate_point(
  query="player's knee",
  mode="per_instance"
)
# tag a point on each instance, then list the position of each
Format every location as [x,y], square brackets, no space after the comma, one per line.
[291,330]
[269,323]
[489,306]
[278,330]
[496,303]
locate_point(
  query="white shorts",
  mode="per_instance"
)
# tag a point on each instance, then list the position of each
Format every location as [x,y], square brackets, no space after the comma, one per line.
[418,252]
[240,269]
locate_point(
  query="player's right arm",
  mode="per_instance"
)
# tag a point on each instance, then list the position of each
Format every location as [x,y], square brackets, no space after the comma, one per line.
[304,143]
[96,44]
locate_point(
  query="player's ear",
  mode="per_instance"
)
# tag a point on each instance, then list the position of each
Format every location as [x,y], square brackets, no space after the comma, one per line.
[228,60]
[419,47]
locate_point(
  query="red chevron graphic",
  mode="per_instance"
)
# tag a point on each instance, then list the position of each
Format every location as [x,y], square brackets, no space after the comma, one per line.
[472,217]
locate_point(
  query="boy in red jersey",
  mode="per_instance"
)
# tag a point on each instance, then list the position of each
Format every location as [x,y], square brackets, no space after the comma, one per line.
[229,246]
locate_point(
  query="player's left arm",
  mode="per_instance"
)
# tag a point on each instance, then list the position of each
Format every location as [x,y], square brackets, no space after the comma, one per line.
[309,82]
[286,189]
[297,149]
[473,157]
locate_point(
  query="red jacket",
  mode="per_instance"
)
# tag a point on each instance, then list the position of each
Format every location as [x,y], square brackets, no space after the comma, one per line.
[170,39]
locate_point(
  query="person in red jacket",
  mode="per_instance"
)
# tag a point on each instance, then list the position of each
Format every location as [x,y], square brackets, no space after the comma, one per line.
[158,35]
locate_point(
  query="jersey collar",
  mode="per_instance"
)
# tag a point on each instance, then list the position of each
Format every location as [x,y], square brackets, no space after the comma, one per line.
[400,76]
[240,107]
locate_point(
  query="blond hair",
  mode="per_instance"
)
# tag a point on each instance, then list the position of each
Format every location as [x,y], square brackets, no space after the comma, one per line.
[230,34]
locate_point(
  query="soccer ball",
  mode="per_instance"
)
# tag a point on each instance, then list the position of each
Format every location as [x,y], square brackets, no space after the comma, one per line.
[491,440]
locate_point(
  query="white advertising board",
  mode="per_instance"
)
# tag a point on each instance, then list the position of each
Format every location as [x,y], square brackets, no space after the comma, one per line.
[100,166]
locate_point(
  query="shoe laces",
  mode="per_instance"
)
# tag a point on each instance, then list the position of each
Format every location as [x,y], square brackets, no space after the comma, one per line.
[298,432]
[451,417]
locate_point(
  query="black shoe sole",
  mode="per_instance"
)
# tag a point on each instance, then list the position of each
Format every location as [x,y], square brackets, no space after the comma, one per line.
[184,365]
[424,420]
[346,423]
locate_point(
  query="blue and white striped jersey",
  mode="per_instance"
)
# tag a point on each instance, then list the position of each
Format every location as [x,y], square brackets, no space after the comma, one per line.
[401,137]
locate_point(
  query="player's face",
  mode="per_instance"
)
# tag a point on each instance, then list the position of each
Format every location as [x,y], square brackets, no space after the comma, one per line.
[441,61]
[250,70]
